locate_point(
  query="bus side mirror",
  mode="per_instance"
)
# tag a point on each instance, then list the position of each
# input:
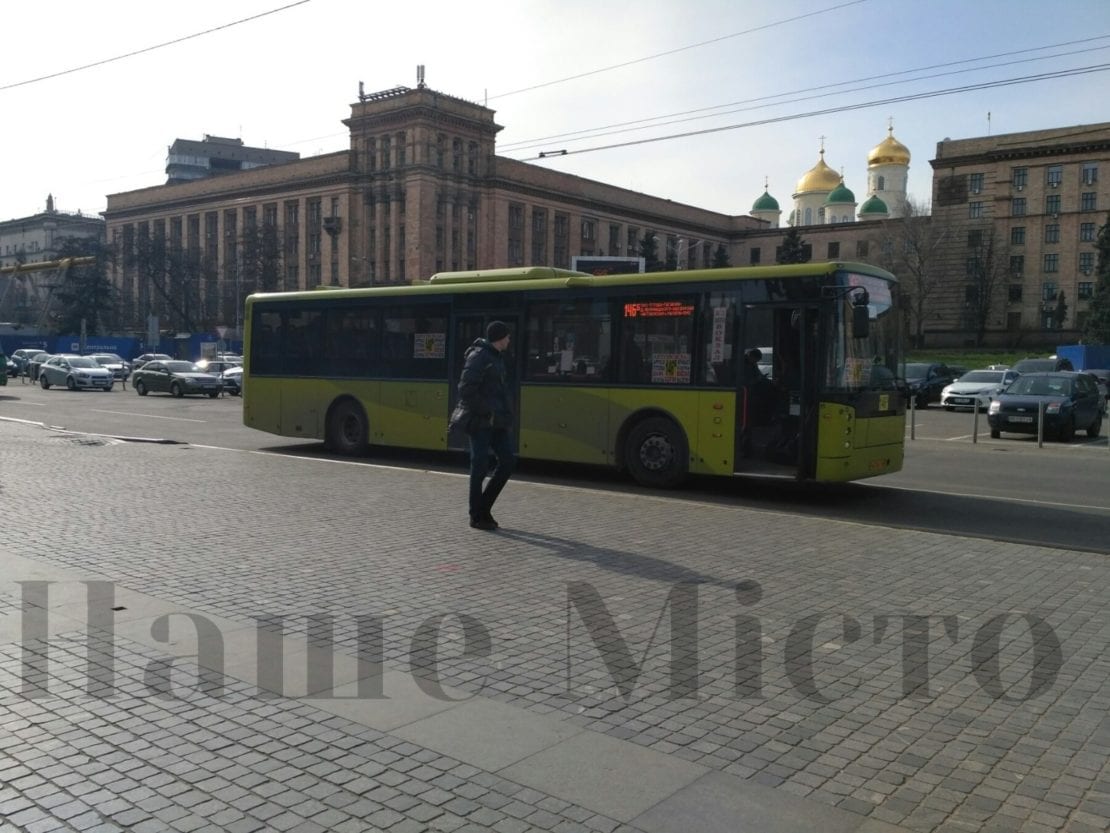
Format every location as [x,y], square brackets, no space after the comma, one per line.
[861,321]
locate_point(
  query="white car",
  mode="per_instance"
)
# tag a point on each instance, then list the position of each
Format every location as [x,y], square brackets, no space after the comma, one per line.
[75,372]
[984,385]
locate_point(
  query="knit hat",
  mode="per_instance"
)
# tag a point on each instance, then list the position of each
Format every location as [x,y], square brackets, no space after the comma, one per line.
[496,330]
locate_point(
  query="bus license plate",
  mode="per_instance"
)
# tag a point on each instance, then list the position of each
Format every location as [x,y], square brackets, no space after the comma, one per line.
[1021,419]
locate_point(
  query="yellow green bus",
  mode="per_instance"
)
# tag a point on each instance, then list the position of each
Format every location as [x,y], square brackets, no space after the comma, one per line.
[653,374]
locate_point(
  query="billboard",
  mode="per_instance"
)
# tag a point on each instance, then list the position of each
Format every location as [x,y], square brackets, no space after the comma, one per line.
[606,265]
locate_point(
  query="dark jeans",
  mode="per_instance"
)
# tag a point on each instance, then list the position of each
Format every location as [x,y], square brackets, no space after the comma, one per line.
[482,442]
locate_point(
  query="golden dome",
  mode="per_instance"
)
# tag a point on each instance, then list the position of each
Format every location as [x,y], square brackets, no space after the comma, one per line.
[889,152]
[818,178]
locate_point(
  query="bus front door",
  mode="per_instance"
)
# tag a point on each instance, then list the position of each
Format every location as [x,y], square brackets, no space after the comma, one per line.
[466,330]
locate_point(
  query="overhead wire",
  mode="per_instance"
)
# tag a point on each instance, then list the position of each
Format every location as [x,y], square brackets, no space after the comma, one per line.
[132,54]
[829,110]
[709,112]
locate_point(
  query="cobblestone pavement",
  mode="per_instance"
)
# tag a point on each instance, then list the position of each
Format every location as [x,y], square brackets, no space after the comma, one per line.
[630,662]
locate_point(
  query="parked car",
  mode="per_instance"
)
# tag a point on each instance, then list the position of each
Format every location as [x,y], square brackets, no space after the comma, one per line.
[35,362]
[1102,377]
[22,357]
[119,366]
[175,377]
[976,385]
[924,382]
[9,366]
[232,379]
[75,372]
[217,366]
[1071,402]
[139,361]
[1043,365]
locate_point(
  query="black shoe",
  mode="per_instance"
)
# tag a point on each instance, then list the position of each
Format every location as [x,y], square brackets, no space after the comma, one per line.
[491,519]
[482,523]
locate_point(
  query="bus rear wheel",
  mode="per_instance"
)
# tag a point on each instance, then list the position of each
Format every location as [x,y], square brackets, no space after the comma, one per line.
[656,453]
[348,429]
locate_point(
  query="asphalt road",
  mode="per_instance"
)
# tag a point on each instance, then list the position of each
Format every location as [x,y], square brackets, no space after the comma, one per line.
[1006,489]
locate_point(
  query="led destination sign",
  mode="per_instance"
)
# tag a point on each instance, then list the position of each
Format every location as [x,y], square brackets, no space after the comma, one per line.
[658,309]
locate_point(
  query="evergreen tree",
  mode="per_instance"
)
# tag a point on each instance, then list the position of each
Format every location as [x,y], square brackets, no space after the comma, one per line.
[720,257]
[86,291]
[1097,329]
[650,253]
[793,248]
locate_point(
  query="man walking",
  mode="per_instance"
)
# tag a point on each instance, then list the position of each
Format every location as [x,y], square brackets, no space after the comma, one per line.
[485,412]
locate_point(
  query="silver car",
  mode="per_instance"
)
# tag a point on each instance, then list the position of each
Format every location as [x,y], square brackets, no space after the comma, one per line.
[75,372]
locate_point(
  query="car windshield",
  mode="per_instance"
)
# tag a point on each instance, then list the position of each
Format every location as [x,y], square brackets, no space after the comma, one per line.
[1034,365]
[917,371]
[82,361]
[1041,386]
[107,357]
[982,376]
[180,367]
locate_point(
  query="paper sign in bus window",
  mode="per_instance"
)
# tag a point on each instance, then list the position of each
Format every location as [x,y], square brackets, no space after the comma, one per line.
[670,368]
[429,345]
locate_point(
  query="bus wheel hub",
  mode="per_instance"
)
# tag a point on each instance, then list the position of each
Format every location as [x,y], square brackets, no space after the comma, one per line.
[656,453]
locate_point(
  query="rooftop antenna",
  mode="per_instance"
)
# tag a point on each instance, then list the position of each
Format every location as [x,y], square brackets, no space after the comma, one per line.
[420,76]
[988,122]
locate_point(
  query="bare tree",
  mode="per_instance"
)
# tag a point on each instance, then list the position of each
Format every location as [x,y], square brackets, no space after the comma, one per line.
[912,250]
[987,272]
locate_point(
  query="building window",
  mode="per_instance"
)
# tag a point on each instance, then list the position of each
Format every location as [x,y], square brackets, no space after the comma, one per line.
[1087,232]
[1054,176]
[1021,177]
[834,251]
[1052,263]
[1088,201]
[589,230]
[974,238]
[975,210]
[457,155]
[472,158]
[754,255]
[1017,236]
[1085,290]
[1017,265]
[1052,233]
[975,183]
[1017,206]
[562,240]
[861,248]
[1015,293]
[387,153]
[633,240]
[1090,173]
[516,234]
[539,236]
[1086,262]
[401,149]
[1052,204]
[1048,291]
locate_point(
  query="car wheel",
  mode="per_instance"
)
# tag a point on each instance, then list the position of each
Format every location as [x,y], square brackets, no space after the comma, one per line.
[656,453]
[348,429]
[140,388]
[1095,428]
[43,381]
[70,384]
[949,407]
[996,434]
[175,390]
[213,394]
[108,389]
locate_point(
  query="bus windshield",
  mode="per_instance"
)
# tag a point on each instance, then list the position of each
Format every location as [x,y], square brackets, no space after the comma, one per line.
[869,363]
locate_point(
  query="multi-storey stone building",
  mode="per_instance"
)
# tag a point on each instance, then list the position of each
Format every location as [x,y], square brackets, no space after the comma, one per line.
[421,190]
[1022,212]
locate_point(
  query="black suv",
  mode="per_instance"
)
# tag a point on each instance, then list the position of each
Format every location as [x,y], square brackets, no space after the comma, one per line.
[1053,365]
[924,382]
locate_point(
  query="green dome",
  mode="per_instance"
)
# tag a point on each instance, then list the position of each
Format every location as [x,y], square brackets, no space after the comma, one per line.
[766,203]
[840,194]
[874,205]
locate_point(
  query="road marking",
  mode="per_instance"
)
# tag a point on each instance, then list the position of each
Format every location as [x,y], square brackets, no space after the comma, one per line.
[148,416]
[982,495]
[36,404]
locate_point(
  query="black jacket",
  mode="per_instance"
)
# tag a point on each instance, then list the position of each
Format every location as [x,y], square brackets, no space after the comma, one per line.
[485,397]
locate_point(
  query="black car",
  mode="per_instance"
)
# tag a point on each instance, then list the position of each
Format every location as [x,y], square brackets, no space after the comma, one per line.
[1043,365]
[1072,402]
[925,381]
[139,361]
[174,377]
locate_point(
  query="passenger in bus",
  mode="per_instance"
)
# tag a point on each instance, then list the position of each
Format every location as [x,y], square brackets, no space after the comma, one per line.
[485,413]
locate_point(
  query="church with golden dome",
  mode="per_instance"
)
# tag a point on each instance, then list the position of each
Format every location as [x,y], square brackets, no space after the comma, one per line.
[821,196]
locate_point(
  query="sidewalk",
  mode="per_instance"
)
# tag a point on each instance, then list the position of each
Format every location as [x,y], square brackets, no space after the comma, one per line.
[427,676]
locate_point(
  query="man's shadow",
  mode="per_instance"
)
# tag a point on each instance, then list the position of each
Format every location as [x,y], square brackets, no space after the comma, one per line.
[617,561]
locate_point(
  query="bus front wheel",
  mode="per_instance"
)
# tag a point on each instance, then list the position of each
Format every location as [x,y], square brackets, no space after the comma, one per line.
[348,429]
[656,453]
